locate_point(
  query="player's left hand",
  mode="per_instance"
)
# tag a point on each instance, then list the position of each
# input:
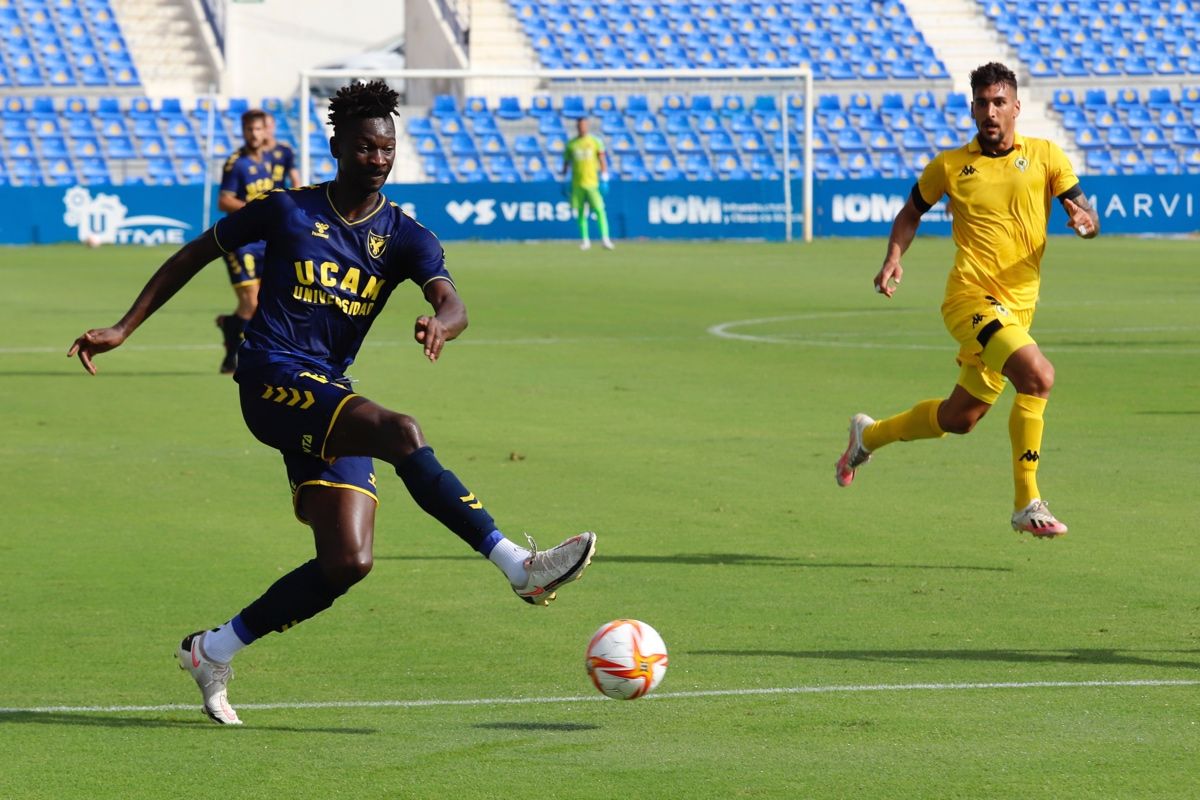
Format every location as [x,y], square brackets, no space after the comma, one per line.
[430,332]
[1079,220]
[93,343]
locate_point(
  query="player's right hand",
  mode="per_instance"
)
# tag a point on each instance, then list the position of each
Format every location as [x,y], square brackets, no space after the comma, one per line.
[888,279]
[93,343]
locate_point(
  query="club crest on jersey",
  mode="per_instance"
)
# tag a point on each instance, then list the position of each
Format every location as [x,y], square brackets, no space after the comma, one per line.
[320,229]
[1022,163]
[376,244]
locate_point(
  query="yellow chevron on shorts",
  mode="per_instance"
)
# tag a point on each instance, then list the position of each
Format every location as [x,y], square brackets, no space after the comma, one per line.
[471,501]
[282,393]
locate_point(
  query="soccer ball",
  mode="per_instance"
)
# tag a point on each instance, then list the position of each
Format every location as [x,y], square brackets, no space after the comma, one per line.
[626,659]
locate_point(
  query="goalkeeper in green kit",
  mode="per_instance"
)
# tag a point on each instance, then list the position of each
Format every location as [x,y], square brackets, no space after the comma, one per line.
[584,156]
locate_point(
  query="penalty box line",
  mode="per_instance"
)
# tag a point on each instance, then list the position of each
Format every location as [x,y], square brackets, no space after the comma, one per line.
[523,701]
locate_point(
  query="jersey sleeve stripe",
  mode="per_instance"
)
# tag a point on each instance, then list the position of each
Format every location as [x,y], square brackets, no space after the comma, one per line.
[217,240]
[439,278]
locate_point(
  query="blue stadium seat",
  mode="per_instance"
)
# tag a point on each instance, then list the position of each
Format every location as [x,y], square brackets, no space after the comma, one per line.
[475,105]
[509,108]
[93,171]
[493,144]
[632,167]
[664,167]
[119,147]
[18,147]
[461,144]
[53,147]
[469,169]
[484,125]
[501,169]
[573,107]
[450,125]
[444,105]
[160,171]
[85,147]
[420,126]
[535,168]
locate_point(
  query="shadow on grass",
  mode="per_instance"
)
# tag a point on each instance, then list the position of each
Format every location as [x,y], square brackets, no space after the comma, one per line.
[1063,656]
[87,719]
[729,559]
[537,726]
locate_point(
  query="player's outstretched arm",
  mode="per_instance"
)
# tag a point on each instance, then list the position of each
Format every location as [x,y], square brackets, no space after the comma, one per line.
[904,229]
[175,272]
[1081,217]
[448,321]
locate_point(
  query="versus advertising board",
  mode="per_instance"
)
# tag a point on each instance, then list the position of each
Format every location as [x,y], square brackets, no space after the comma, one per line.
[1151,204]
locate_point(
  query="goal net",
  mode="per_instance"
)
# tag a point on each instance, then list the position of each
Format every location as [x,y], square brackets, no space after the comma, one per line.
[747,129]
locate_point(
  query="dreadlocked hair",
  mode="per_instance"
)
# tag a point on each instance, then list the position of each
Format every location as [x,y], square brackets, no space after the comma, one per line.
[362,101]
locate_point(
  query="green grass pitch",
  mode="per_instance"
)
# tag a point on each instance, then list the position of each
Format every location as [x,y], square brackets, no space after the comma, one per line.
[687,402]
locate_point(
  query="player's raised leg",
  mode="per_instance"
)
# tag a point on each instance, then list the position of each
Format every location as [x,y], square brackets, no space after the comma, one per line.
[367,428]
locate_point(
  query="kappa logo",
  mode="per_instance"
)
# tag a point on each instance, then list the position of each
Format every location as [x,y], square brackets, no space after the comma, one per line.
[484,211]
[320,230]
[1029,455]
[376,244]
[967,170]
[976,319]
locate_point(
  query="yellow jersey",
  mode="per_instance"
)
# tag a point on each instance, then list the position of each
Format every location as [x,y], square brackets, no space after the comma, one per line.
[583,154]
[999,207]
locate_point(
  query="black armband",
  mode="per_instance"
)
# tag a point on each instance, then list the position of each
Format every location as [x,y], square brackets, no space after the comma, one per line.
[1072,193]
[918,201]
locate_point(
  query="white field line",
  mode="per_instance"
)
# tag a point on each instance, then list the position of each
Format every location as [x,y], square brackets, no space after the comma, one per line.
[526,701]
[726,330]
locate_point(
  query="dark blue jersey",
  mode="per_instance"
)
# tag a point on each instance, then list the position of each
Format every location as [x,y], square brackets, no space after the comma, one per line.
[324,279]
[283,161]
[247,177]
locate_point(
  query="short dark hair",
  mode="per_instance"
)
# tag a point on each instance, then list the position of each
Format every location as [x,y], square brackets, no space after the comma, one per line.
[362,101]
[253,115]
[991,74]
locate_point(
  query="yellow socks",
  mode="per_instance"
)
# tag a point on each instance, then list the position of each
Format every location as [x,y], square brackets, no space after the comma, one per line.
[919,422]
[1025,430]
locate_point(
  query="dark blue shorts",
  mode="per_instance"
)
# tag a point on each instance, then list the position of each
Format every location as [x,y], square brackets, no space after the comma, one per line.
[292,408]
[243,263]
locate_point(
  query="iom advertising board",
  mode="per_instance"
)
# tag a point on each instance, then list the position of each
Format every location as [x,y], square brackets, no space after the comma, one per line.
[1150,204]
[667,210]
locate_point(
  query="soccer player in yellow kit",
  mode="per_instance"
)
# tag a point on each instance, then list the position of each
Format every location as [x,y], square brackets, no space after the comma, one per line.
[999,185]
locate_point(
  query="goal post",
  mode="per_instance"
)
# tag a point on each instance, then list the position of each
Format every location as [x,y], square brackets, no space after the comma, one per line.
[732,93]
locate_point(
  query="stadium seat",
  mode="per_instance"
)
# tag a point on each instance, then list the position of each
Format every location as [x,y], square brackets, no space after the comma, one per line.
[444,105]
[509,108]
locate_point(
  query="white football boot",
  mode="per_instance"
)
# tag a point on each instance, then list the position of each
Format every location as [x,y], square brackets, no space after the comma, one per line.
[1036,518]
[549,569]
[212,678]
[856,455]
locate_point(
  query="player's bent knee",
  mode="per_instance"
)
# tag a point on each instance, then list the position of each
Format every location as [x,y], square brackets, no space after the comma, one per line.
[403,433]
[346,570]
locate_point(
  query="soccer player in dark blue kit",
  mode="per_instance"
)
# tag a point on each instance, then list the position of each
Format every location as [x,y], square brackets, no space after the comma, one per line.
[248,173]
[283,157]
[334,253]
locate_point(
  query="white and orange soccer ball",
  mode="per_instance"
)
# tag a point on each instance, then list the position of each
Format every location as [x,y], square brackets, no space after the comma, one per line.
[626,659]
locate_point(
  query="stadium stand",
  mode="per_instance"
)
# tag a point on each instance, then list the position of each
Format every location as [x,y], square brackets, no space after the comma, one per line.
[70,110]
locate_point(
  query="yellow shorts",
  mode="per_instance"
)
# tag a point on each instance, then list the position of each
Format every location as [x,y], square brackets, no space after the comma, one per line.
[987,334]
